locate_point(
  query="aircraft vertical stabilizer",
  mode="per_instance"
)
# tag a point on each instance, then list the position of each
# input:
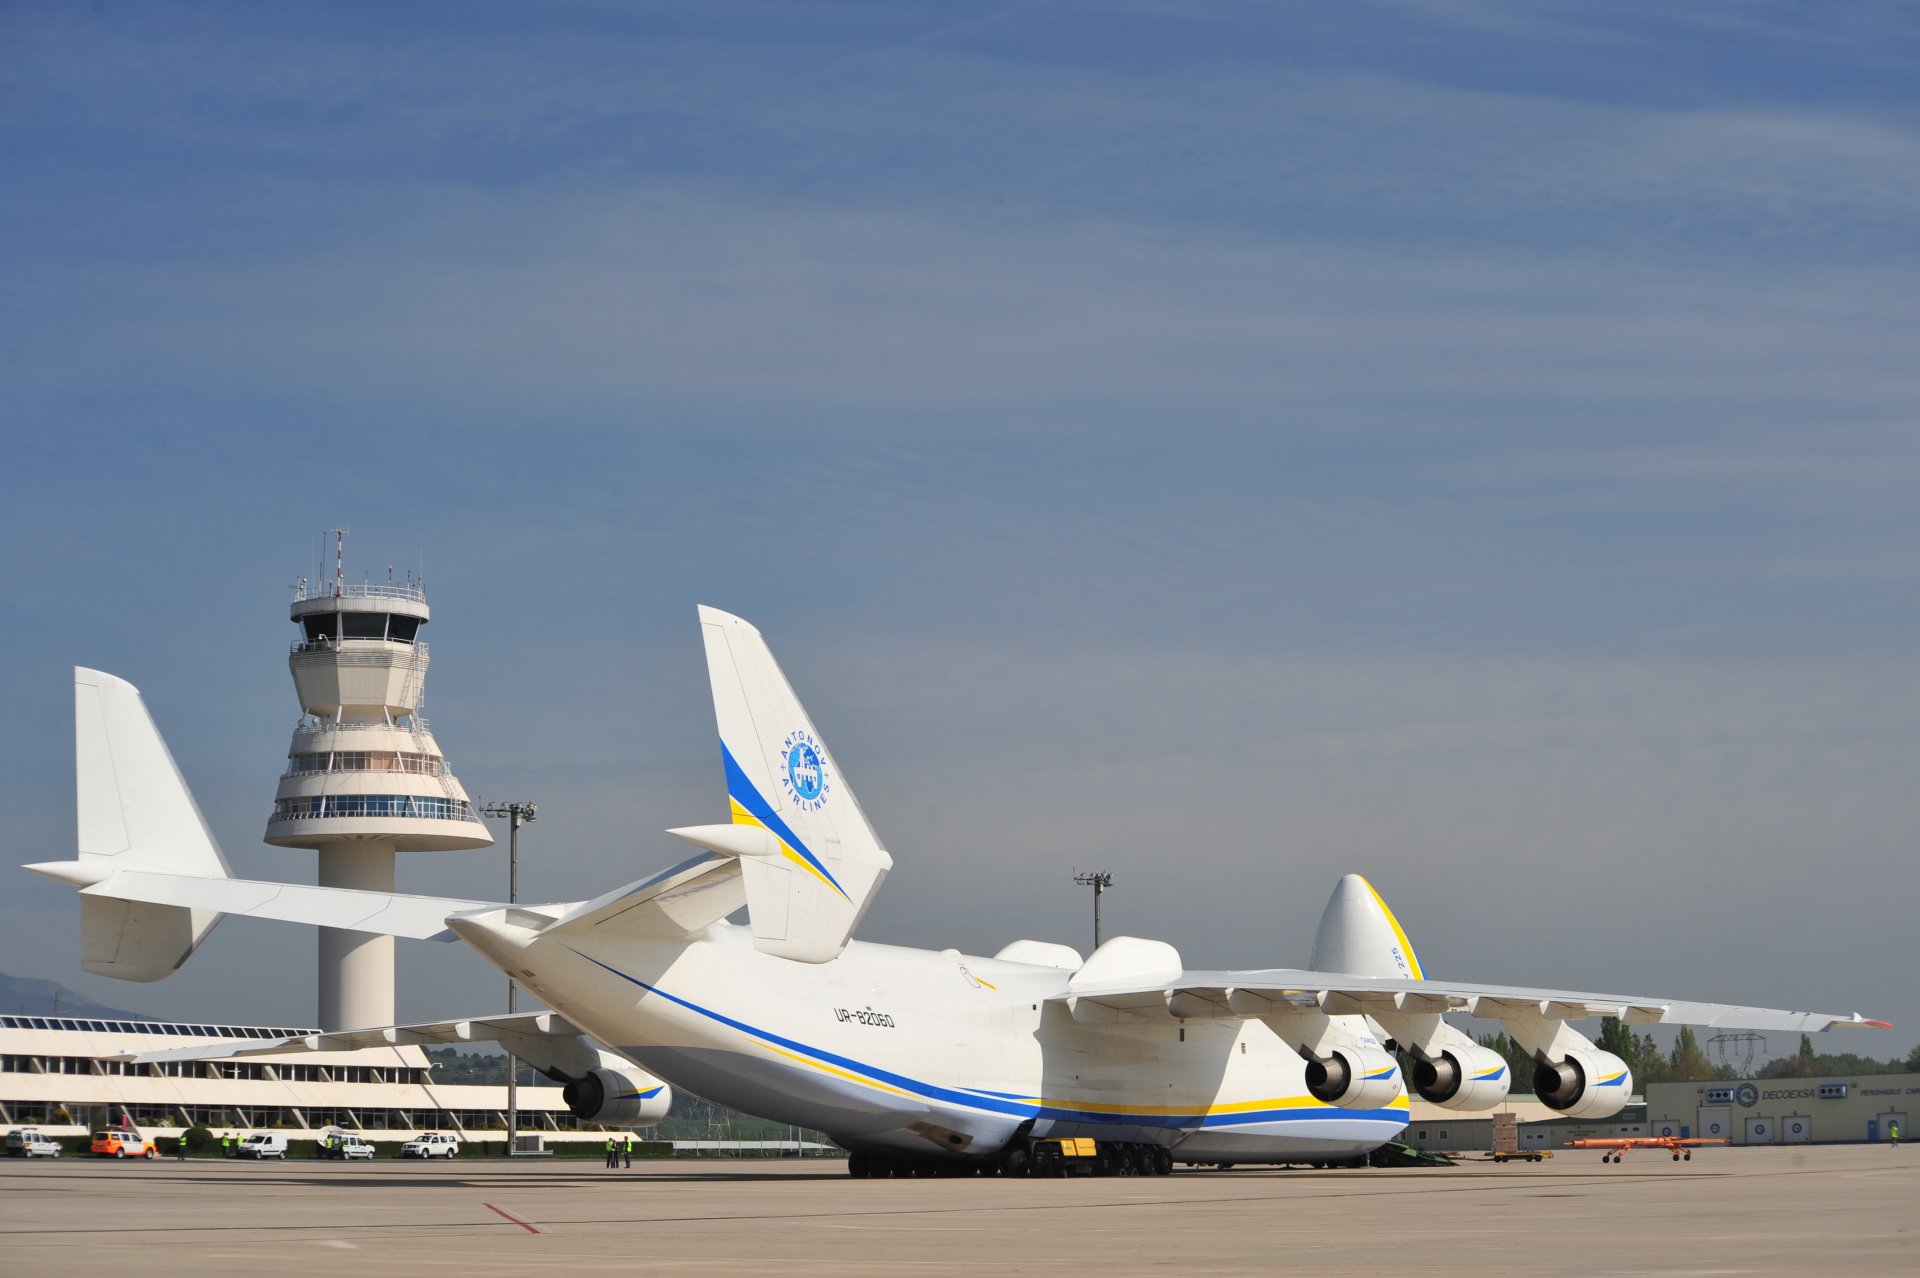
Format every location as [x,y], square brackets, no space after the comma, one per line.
[1359,936]
[810,877]
[134,813]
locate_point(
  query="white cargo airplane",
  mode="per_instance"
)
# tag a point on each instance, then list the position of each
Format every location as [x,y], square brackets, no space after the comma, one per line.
[913,1059]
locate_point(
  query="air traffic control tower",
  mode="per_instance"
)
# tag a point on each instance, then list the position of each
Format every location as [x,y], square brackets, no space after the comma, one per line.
[365,778]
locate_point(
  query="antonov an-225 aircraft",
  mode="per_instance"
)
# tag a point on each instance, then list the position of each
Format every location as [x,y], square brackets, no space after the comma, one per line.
[915,1060]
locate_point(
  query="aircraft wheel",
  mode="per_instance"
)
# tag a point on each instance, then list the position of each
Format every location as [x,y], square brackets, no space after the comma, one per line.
[857,1164]
[1016,1162]
[1163,1162]
[1676,1158]
[1688,1155]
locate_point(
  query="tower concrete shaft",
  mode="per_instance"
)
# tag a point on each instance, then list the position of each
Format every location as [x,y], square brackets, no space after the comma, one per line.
[356,968]
[365,779]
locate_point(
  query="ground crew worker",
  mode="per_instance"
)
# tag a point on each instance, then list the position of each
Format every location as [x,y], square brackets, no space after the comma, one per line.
[1893,1134]
[612,1156]
[226,1145]
[628,1148]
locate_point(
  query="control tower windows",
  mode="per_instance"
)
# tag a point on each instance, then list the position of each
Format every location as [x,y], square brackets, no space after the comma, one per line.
[329,627]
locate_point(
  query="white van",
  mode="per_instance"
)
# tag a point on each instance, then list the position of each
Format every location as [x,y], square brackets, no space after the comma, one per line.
[264,1145]
[337,1142]
[27,1142]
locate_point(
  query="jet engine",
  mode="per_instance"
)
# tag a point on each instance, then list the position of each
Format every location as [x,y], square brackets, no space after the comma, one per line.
[618,1099]
[1462,1076]
[1355,1076]
[1586,1083]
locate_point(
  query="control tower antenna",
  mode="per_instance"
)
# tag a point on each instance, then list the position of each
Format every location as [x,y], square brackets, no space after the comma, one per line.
[365,779]
[339,560]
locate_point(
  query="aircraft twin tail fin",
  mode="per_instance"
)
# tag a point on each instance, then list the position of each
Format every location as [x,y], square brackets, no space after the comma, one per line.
[135,814]
[810,862]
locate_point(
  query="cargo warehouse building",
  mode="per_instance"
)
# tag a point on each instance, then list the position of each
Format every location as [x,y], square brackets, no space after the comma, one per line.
[1852,1109]
[1786,1111]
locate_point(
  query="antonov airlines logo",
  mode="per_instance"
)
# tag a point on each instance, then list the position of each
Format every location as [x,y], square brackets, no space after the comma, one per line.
[806,779]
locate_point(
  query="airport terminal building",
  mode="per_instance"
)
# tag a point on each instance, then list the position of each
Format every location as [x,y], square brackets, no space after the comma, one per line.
[63,1076]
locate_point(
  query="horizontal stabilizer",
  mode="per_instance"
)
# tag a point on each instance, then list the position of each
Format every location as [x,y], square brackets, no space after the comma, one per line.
[752,841]
[681,900]
[544,1040]
[382,913]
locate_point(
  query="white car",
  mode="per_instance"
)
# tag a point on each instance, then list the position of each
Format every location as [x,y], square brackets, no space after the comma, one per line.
[27,1142]
[430,1145]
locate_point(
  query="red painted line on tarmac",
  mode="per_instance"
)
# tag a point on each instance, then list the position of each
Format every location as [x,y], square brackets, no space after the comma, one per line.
[510,1216]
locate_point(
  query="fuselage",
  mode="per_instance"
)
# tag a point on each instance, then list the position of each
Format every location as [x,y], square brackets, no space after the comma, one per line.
[926,1051]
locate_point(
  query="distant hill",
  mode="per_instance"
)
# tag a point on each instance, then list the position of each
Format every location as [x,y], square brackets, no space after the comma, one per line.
[25,996]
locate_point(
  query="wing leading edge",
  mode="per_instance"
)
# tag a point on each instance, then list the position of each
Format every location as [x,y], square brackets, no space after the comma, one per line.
[1277,991]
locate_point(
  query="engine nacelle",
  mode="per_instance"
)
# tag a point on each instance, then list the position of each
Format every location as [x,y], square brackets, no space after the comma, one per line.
[617,1098]
[1462,1077]
[1357,1077]
[1588,1083]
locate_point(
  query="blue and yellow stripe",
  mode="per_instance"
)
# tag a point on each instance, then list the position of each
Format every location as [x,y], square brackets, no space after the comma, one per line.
[750,807]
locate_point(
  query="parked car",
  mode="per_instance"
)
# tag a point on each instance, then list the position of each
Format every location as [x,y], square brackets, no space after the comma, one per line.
[335,1143]
[28,1142]
[430,1145]
[264,1145]
[118,1142]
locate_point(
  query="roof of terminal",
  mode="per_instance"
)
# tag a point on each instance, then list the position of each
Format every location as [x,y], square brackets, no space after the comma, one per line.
[173,1028]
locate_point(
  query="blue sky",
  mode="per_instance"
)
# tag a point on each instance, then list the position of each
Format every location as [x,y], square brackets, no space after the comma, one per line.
[1469,443]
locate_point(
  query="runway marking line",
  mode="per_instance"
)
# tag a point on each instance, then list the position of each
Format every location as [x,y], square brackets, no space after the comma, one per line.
[510,1216]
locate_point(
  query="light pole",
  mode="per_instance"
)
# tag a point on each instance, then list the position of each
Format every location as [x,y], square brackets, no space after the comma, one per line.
[517,814]
[1099,881]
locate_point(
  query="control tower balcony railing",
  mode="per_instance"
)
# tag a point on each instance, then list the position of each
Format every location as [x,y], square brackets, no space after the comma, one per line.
[322,807]
[307,765]
[412,592]
[418,646]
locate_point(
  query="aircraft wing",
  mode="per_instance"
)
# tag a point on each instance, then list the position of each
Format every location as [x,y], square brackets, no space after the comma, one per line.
[1278,991]
[545,1040]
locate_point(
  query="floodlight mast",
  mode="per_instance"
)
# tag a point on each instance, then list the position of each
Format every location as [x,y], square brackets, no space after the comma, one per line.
[1099,881]
[517,815]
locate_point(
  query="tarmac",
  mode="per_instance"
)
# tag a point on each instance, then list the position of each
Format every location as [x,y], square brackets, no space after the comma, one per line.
[1805,1210]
